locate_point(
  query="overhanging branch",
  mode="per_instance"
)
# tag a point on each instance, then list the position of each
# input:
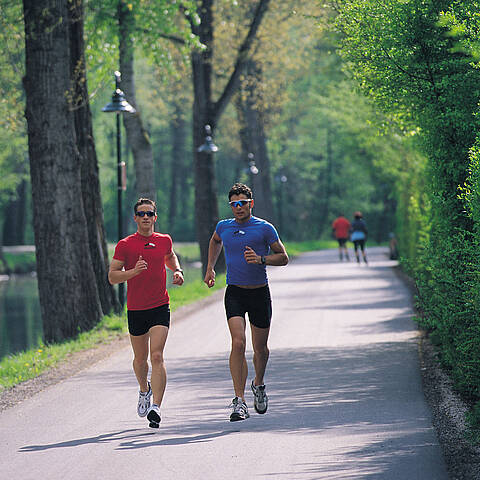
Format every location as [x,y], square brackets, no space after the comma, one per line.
[242,57]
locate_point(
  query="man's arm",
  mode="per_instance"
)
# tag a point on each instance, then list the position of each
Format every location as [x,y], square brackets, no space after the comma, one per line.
[171,261]
[279,256]
[214,249]
[116,274]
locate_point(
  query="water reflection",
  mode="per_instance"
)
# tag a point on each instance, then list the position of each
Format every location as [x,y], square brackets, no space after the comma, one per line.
[20,319]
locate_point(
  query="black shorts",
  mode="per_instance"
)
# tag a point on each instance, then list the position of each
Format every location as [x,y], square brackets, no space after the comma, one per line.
[254,301]
[342,241]
[141,321]
[359,243]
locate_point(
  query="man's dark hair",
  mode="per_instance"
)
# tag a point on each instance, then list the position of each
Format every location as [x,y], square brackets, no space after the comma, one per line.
[145,201]
[239,189]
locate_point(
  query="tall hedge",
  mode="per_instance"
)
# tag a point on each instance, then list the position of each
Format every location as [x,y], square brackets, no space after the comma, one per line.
[404,57]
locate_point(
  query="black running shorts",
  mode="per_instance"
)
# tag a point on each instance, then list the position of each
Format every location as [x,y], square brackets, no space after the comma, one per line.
[359,243]
[141,321]
[254,301]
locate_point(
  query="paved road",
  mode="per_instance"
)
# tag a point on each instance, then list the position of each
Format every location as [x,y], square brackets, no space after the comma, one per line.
[344,384]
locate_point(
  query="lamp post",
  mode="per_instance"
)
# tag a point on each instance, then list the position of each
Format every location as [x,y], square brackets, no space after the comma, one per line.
[252,168]
[281,179]
[119,105]
[208,146]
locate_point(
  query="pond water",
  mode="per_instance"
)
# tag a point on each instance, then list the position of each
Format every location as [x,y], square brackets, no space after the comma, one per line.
[20,318]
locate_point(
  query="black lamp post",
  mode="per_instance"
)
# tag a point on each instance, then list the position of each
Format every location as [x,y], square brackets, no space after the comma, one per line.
[282,179]
[252,168]
[119,105]
[208,146]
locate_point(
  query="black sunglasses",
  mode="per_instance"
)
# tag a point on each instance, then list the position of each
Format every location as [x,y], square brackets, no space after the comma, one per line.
[148,214]
[239,203]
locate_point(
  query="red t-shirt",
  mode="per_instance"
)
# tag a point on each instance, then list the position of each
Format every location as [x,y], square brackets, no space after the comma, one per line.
[149,288]
[342,227]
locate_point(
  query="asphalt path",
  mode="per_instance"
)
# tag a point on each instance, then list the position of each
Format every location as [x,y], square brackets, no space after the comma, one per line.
[344,384]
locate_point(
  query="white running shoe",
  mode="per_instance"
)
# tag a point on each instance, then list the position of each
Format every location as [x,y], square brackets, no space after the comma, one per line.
[144,401]
[153,416]
[240,410]
[260,401]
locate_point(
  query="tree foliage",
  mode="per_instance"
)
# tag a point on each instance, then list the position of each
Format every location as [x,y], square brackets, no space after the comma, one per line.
[403,55]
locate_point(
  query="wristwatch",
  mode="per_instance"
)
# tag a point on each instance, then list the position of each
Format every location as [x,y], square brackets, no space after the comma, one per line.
[178,270]
[263,260]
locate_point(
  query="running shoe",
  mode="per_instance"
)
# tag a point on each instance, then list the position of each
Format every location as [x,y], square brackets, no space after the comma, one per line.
[240,410]
[260,401]
[153,416]
[144,401]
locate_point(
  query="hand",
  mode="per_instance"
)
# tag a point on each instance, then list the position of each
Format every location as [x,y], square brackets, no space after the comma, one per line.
[177,278]
[251,256]
[140,265]
[210,278]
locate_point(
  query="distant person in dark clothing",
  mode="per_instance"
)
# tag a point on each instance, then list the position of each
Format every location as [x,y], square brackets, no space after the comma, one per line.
[393,247]
[358,235]
[341,230]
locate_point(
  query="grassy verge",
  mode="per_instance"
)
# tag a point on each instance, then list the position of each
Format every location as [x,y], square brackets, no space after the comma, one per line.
[295,248]
[19,262]
[23,366]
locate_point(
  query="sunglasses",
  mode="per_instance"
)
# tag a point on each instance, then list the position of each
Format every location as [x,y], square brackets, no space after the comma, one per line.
[148,214]
[239,203]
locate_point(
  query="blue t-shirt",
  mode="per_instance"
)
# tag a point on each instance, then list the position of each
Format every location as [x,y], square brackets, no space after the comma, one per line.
[257,234]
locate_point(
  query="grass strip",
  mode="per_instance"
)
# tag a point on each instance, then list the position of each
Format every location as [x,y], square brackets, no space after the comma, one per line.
[19,367]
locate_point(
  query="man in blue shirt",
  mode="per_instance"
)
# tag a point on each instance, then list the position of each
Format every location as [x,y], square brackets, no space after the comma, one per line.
[250,244]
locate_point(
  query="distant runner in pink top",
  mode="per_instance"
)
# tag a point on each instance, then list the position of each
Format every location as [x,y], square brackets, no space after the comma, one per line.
[341,230]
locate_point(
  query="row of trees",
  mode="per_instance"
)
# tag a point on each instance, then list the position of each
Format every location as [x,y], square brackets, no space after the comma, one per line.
[262,74]
[418,60]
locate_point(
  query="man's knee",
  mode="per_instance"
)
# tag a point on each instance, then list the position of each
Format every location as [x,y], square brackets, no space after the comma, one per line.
[261,350]
[239,344]
[156,358]
[139,360]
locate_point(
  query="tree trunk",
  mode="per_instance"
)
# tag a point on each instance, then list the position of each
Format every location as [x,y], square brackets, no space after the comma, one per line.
[326,192]
[3,263]
[92,200]
[137,136]
[178,173]
[206,205]
[68,292]
[250,111]
[208,112]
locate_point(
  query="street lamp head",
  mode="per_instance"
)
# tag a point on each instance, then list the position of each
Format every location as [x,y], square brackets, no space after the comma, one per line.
[208,146]
[253,168]
[118,104]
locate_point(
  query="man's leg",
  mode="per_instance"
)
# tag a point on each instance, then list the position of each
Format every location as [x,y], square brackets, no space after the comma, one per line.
[140,356]
[260,352]
[238,363]
[364,253]
[355,246]
[158,338]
